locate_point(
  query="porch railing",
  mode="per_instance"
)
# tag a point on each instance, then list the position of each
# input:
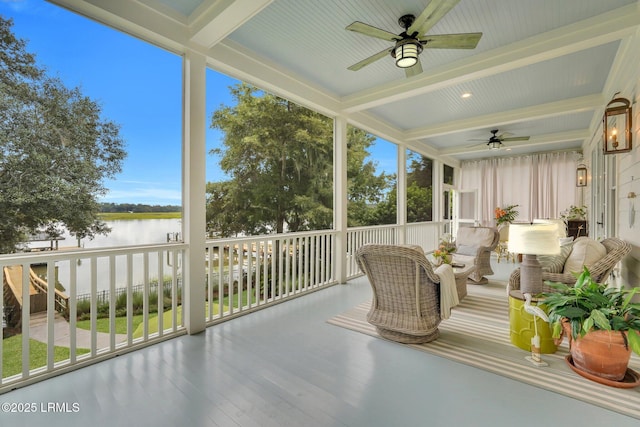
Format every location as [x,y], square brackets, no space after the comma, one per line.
[244,274]
[120,299]
[92,329]
[424,234]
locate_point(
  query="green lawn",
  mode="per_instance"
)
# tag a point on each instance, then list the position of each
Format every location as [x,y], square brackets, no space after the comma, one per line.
[12,347]
[167,318]
[12,355]
[111,216]
[121,322]
[102,325]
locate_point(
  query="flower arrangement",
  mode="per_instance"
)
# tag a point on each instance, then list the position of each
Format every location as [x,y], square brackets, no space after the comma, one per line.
[444,251]
[506,215]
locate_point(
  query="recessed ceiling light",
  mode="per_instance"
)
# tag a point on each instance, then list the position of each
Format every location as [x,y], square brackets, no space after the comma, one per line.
[466,95]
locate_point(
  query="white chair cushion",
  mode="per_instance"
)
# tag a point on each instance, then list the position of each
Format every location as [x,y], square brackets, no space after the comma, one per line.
[585,251]
[475,236]
[467,250]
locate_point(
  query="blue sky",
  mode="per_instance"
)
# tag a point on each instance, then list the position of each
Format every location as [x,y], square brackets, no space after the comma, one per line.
[138,86]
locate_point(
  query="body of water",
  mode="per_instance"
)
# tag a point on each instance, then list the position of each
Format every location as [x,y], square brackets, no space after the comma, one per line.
[130,232]
[123,233]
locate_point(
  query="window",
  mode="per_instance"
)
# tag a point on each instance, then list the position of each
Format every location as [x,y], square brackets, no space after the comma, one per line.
[277,162]
[419,187]
[448,175]
[372,185]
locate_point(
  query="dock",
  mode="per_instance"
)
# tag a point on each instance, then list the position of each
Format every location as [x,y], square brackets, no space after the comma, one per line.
[37,299]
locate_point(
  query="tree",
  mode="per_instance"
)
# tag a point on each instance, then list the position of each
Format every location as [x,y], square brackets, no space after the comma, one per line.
[280,159]
[385,211]
[419,188]
[55,150]
[419,194]
[419,204]
[223,215]
[366,190]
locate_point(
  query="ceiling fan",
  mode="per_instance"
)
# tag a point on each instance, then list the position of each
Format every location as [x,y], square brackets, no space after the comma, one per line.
[495,142]
[410,43]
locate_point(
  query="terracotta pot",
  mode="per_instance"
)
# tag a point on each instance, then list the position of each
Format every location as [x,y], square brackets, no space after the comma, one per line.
[601,353]
[566,331]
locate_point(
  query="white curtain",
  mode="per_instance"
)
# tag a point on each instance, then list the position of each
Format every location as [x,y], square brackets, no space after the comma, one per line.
[543,185]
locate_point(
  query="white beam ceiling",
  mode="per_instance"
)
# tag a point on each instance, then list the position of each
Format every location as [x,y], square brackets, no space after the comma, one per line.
[208,23]
[591,32]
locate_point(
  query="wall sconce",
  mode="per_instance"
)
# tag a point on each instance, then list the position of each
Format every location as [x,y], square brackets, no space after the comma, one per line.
[617,126]
[581,176]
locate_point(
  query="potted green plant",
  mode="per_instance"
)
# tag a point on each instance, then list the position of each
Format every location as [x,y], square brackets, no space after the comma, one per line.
[601,322]
[574,213]
[575,220]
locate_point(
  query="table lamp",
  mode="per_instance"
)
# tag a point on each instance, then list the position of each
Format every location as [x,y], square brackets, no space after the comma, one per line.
[531,240]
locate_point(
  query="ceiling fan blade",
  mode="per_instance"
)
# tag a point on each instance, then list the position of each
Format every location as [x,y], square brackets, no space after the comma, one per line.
[452,41]
[371,31]
[483,142]
[516,138]
[434,11]
[413,71]
[369,60]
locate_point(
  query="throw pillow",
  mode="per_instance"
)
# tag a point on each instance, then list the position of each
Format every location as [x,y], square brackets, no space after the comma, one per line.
[585,251]
[466,250]
[555,263]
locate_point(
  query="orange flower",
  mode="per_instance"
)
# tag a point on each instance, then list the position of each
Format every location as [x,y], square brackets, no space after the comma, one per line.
[506,215]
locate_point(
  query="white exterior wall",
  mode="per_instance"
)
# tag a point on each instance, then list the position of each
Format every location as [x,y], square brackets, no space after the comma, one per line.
[625,79]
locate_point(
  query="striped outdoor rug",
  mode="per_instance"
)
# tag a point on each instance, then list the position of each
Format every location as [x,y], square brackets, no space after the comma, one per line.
[477,334]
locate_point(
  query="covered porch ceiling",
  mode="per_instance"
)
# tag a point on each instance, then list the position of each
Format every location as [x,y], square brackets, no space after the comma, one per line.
[544,69]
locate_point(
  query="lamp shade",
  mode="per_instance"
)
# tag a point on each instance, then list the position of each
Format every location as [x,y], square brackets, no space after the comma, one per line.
[406,55]
[534,239]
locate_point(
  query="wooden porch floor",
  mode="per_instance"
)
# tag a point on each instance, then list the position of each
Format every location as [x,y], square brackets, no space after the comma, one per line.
[285,366]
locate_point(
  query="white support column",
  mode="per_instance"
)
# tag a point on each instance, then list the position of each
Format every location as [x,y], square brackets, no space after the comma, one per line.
[401,208]
[340,196]
[436,193]
[193,191]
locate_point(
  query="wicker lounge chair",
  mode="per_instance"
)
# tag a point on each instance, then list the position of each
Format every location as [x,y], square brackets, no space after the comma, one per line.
[473,247]
[600,270]
[406,292]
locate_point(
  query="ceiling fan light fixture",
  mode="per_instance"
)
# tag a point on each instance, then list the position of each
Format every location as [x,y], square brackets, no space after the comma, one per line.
[406,54]
[494,145]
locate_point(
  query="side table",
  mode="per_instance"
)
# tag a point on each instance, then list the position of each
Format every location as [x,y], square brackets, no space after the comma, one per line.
[462,275]
[522,328]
